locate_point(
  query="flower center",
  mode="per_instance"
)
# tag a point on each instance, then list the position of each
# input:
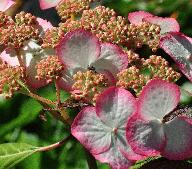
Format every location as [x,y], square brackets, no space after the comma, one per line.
[115,131]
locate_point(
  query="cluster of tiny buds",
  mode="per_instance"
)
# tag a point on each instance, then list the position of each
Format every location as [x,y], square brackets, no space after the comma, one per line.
[131,78]
[144,33]
[88,85]
[10,78]
[105,24]
[70,25]
[159,68]
[5,20]
[108,27]
[25,18]
[155,67]
[49,69]
[14,34]
[101,21]
[67,8]
[52,37]
[133,58]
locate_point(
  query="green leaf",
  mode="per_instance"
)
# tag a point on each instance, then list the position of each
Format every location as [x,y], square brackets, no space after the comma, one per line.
[29,111]
[13,153]
[49,92]
[34,162]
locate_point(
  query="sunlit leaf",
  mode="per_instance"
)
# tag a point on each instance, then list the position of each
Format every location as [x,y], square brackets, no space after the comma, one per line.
[13,153]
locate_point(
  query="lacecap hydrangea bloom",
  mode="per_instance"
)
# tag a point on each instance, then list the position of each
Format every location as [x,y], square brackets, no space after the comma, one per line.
[154,128]
[101,129]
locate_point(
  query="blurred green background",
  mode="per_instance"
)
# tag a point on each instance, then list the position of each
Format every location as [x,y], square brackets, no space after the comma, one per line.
[19,117]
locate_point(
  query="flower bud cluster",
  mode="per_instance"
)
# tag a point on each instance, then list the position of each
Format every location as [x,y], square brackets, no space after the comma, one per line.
[101,21]
[70,25]
[108,27]
[105,24]
[133,58]
[23,18]
[49,69]
[144,33]
[131,78]
[159,68]
[10,78]
[14,34]
[88,85]
[136,77]
[52,37]
[5,21]
[67,8]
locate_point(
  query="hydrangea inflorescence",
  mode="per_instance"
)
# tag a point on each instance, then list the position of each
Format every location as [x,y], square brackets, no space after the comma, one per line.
[127,100]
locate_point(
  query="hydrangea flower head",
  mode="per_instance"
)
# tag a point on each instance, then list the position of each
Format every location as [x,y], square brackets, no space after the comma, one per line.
[148,131]
[101,129]
[80,50]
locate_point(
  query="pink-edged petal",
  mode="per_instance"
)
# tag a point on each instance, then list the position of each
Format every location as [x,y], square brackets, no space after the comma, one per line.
[67,81]
[114,158]
[137,17]
[166,24]
[179,47]
[78,49]
[111,58]
[44,24]
[31,73]
[5,4]
[32,53]
[10,57]
[158,98]
[91,132]
[45,4]
[65,85]
[145,137]
[114,106]
[178,139]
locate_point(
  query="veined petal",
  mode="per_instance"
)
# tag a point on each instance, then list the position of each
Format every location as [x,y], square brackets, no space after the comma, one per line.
[137,17]
[179,47]
[67,81]
[166,24]
[5,4]
[91,132]
[45,4]
[114,158]
[111,58]
[178,134]
[78,49]
[158,98]
[145,137]
[124,146]
[114,106]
